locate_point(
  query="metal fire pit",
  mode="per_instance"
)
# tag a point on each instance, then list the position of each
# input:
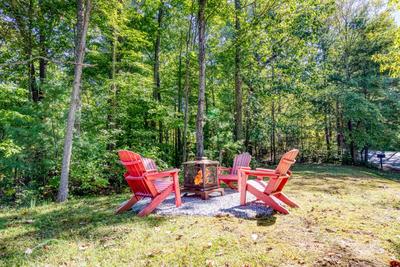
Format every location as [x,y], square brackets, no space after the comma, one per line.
[201,177]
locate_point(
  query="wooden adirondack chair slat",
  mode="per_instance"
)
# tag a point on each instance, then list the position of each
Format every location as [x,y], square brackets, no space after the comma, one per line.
[269,192]
[145,181]
[150,165]
[240,161]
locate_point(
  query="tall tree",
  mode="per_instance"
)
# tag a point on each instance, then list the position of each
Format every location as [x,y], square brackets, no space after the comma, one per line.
[83,13]
[157,46]
[202,80]
[238,79]
[187,87]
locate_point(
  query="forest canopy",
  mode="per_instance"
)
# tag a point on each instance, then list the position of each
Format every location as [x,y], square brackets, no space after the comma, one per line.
[317,75]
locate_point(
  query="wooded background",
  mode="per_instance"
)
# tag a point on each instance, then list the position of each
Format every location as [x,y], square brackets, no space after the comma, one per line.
[317,75]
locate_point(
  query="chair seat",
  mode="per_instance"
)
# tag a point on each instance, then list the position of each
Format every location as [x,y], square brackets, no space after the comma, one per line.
[228,177]
[258,184]
[161,185]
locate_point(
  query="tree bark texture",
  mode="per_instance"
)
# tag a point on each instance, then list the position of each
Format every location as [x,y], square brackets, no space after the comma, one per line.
[238,80]
[202,80]
[83,12]
[187,90]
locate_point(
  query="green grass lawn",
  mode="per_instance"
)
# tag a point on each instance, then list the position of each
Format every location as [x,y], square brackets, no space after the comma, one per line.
[348,217]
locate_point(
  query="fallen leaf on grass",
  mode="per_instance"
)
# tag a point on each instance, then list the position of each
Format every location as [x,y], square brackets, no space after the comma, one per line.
[254,237]
[83,247]
[154,253]
[108,245]
[209,263]
[219,254]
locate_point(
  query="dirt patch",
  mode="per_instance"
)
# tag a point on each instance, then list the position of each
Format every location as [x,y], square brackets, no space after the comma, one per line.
[342,256]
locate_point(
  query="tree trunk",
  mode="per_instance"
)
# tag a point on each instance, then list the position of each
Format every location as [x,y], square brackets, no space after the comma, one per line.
[327,137]
[187,90]
[113,94]
[238,80]
[366,155]
[351,145]
[273,124]
[202,81]
[273,145]
[248,118]
[42,61]
[339,134]
[83,12]
[157,44]
[43,54]
[31,66]
[178,142]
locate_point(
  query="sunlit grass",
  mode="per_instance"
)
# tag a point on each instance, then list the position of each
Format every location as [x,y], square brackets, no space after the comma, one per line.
[347,215]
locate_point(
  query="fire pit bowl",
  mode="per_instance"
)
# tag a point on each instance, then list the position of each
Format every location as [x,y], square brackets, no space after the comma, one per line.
[201,177]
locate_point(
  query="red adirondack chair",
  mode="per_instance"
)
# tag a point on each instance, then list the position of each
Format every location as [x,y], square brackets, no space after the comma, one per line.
[240,161]
[145,181]
[149,165]
[269,192]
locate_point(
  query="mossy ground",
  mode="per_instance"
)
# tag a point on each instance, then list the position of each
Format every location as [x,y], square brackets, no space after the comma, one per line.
[348,217]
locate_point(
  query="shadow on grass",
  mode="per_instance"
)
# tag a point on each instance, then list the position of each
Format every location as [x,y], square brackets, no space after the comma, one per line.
[77,219]
[396,248]
[266,221]
[345,172]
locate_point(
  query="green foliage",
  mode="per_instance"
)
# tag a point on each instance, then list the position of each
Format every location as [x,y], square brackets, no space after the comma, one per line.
[309,69]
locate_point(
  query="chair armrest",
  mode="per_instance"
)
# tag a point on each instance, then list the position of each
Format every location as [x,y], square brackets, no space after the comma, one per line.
[259,173]
[244,168]
[162,174]
[224,169]
[265,170]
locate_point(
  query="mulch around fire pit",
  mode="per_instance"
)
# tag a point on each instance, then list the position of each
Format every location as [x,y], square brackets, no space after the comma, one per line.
[216,205]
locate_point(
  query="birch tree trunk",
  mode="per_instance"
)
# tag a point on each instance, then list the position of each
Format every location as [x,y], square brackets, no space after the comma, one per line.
[202,81]
[83,12]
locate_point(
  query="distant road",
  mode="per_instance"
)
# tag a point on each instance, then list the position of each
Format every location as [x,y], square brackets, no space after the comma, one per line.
[391,161]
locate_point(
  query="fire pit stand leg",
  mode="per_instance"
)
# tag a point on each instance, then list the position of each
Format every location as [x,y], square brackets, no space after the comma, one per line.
[204,194]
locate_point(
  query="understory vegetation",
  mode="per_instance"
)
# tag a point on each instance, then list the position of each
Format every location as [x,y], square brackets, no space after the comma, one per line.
[317,75]
[347,216]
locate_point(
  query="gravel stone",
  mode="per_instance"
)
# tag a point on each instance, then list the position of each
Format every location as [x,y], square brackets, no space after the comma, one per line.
[216,205]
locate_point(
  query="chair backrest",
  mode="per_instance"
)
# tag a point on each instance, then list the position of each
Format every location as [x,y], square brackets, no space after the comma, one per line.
[277,184]
[134,176]
[133,163]
[241,160]
[287,160]
[149,165]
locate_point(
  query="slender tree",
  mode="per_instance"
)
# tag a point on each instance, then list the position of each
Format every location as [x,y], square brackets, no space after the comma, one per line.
[156,72]
[83,13]
[238,80]
[202,80]
[187,88]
